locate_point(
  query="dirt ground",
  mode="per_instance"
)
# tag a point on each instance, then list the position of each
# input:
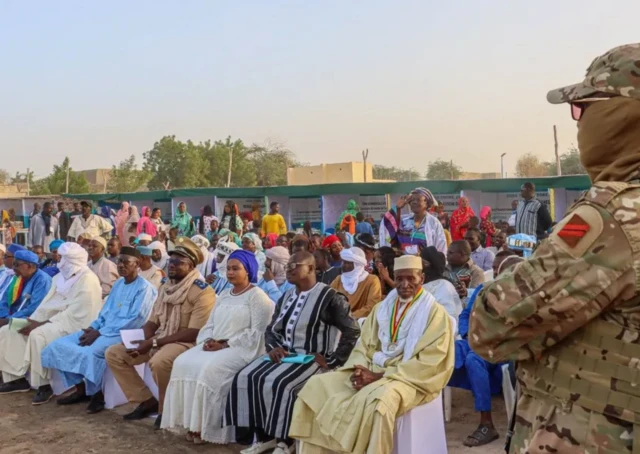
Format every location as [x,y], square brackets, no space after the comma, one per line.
[49,428]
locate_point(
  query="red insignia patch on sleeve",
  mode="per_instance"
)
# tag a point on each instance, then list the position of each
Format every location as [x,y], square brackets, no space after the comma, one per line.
[574,231]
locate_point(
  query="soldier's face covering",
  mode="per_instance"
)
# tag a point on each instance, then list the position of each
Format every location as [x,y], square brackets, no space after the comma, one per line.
[609,140]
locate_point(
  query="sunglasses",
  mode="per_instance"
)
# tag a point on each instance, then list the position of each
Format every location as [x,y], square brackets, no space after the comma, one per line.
[579,107]
[293,266]
[176,262]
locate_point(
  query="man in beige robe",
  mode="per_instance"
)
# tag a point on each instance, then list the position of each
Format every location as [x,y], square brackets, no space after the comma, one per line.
[361,288]
[72,303]
[148,270]
[354,410]
[105,269]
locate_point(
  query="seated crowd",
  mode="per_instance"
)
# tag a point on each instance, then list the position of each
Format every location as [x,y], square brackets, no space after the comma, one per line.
[241,320]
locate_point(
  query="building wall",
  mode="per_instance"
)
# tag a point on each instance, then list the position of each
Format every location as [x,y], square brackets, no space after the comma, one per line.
[479,176]
[342,172]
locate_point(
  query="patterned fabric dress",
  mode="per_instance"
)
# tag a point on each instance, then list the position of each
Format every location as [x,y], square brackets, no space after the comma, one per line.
[263,393]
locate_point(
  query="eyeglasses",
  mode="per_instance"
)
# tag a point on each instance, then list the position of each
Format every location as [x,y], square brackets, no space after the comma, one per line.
[578,108]
[176,262]
[293,266]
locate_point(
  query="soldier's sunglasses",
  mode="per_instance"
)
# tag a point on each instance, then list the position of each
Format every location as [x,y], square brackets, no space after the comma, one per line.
[578,107]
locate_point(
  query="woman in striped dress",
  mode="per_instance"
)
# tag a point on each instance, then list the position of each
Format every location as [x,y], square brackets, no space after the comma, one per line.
[306,321]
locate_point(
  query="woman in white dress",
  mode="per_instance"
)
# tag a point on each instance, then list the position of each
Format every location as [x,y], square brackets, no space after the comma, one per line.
[442,289]
[232,338]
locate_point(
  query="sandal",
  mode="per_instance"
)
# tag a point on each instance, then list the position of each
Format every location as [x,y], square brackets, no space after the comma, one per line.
[481,436]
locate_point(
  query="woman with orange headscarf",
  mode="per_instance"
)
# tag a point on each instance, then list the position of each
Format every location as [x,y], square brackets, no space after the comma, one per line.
[459,221]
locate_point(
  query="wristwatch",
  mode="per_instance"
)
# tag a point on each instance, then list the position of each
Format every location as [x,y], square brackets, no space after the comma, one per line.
[155,343]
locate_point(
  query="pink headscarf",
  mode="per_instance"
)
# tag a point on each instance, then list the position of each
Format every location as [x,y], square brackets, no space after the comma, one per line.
[146,225]
[121,219]
[484,212]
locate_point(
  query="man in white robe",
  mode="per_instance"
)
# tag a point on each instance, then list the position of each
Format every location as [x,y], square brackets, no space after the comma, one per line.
[73,302]
[404,359]
[43,228]
[105,269]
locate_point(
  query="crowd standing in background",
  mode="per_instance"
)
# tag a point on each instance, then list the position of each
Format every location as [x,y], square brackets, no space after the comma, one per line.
[240,312]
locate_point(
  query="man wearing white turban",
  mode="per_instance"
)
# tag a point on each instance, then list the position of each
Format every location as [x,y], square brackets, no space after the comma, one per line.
[72,303]
[218,280]
[362,289]
[159,256]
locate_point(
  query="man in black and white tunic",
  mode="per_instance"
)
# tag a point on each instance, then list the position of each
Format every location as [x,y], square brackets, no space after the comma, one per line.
[307,321]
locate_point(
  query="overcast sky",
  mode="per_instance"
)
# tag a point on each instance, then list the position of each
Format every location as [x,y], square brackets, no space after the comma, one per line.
[411,81]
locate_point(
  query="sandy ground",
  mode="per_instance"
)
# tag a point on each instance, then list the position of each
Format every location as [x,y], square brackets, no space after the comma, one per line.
[25,429]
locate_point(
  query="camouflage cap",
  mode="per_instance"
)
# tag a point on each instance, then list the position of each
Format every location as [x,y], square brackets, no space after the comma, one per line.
[617,72]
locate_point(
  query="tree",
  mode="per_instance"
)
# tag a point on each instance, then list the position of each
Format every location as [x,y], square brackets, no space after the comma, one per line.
[529,165]
[443,170]
[569,163]
[56,182]
[243,171]
[126,177]
[395,173]
[271,162]
[174,164]
[5,177]
[21,178]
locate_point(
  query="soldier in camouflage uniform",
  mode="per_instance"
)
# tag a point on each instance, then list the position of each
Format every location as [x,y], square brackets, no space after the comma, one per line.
[570,315]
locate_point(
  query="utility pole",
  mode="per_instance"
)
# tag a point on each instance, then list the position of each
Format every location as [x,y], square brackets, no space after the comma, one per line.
[502,165]
[28,183]
[451,169]
[67,190]
[555,143]
[230,162]
[365,155]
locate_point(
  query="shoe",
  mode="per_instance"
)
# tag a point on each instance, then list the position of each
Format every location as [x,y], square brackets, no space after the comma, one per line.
[283,448]
[258,448]
[73,398]
[198,441]
[157,423]
[44,395]
[142,411]
[16,386]
[96,405]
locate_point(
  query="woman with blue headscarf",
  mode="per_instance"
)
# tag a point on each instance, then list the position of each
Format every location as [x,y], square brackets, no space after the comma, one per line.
[232,338]
[109,215]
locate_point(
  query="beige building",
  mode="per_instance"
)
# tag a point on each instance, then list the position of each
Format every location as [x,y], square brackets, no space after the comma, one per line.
[343,172]
[97,178]
[13,190]
[479,176]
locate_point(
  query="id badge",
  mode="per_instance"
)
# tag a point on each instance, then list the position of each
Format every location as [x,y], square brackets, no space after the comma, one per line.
[411,249]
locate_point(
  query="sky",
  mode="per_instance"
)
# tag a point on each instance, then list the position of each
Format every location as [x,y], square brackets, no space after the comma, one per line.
[412,81]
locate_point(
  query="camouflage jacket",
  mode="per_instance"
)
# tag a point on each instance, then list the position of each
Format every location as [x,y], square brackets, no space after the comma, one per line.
[587,268]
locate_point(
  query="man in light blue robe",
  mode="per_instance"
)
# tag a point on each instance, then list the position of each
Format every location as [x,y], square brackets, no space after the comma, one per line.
[79,357]
[218,280]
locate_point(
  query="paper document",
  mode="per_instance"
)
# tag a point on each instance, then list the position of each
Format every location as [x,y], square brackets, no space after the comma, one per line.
[16,324]
[130,335]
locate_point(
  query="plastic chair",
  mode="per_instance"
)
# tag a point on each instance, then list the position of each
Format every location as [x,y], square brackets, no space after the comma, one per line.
[420,431]
[113,395]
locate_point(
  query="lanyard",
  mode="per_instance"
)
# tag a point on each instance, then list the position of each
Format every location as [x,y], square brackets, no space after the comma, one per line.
[394,326]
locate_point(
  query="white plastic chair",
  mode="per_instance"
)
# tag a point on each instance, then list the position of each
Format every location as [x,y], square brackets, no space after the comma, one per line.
[508,393]
[420,431]
[113,395]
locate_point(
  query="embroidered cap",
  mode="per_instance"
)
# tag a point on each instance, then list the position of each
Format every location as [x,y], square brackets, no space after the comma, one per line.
[407,262]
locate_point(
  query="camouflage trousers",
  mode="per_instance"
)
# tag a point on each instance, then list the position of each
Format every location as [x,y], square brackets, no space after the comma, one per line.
[543,428]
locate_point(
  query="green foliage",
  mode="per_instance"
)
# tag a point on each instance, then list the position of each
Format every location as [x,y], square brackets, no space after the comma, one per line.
[569,163]
[243,171]
[530,165]
[56,182]
[5,177]
[126,177]
[443,170]
[395,173]
[174,164]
